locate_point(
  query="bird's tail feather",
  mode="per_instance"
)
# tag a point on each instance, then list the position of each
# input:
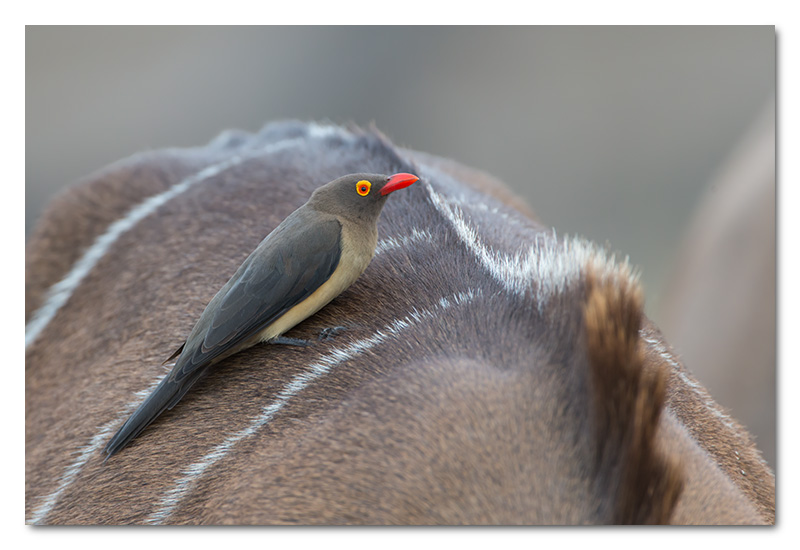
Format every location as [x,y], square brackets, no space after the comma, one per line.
[166,394]
[185,385]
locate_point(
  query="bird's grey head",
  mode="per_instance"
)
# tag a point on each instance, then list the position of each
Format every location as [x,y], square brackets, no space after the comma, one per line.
[359,197]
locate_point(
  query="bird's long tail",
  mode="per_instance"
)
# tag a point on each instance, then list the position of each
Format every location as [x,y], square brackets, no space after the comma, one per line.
[165,396]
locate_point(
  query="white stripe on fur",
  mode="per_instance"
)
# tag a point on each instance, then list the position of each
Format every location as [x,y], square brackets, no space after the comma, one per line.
[59,293]
[320,368]
[390,243]
[97,442]
[543,267]
[546,267]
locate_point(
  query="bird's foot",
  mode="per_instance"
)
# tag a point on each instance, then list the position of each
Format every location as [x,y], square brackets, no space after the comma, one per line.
[330,333]
[290,341]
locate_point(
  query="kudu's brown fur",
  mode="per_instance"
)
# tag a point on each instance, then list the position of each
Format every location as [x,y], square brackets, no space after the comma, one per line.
[489,371]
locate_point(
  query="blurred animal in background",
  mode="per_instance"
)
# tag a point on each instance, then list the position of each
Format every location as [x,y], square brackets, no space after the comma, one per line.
[489,370]
[719,308]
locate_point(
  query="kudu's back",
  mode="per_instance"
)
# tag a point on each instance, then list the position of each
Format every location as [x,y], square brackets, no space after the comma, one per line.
[490,371]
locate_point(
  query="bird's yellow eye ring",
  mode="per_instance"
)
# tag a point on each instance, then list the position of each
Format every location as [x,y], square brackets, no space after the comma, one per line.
[362,188]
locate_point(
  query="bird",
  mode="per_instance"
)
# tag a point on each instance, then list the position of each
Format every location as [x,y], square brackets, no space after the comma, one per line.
[310,258]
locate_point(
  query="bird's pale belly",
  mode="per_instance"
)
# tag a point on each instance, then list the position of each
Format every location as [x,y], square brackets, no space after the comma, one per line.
[349,269]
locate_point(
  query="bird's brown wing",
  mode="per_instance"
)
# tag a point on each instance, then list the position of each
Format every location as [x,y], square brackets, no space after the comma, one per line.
[275,278]
[279,278]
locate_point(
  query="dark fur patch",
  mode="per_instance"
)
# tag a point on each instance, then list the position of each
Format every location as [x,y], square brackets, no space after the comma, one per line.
[628,401]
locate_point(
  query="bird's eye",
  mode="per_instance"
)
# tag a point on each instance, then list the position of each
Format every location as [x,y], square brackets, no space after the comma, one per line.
[362,188]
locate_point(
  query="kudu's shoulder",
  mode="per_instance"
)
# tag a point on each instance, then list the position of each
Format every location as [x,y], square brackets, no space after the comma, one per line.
[490,370]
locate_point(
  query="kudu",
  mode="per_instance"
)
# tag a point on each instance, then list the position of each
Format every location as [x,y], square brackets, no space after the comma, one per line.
[489,372]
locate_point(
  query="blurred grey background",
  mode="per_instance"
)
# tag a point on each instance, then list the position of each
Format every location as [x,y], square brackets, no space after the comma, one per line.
[624,135]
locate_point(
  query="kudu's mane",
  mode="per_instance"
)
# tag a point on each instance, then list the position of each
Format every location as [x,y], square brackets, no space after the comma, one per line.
[536,343]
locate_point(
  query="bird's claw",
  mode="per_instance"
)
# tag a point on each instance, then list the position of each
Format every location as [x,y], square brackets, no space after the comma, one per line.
[285,340]
[330,332]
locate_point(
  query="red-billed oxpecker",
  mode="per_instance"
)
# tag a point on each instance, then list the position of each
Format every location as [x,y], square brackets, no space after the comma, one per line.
[317,252]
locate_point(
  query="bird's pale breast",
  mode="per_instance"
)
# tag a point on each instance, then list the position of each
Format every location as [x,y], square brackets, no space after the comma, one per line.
[358,247]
